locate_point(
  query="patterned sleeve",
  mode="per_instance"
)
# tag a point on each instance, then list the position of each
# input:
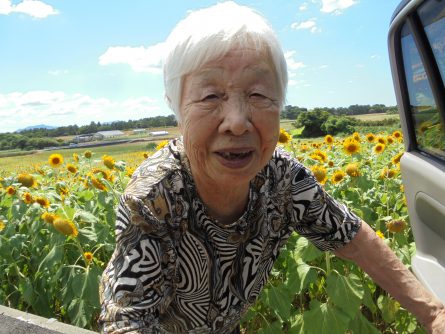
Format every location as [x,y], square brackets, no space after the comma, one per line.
[327,223]
[136,286]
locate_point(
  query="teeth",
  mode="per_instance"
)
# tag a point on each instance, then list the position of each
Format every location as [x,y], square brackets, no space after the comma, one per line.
[231,155]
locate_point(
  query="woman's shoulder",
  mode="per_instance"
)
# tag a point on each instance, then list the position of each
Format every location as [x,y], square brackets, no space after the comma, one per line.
[155,169]
[283,161]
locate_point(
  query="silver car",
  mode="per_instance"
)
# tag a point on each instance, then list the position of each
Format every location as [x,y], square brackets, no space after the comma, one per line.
[417,54]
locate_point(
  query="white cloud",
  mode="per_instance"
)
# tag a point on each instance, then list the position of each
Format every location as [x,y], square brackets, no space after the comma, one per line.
[310,25]
[140,59]
[336,6]
[359,65]
[34,8]
[375,57]
[303,7]
[18,110]
[292,64]
[321,67]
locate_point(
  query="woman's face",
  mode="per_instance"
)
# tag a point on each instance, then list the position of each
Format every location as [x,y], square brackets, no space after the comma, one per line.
[230,117]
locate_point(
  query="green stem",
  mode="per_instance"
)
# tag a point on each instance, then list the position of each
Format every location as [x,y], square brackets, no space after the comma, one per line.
[328,263]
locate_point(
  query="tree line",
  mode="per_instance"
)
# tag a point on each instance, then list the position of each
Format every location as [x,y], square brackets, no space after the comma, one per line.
[292,112]
[315,121]
[41,137]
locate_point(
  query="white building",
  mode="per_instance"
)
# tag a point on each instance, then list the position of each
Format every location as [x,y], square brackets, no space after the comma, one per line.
[108,134]
[158,133]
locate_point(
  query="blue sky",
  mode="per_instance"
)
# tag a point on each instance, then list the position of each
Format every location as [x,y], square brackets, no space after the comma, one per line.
[73,62]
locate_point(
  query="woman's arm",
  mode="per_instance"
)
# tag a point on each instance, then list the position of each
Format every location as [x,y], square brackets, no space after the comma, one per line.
[383,266]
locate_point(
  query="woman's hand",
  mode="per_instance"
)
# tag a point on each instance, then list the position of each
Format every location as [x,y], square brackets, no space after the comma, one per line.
[438,324]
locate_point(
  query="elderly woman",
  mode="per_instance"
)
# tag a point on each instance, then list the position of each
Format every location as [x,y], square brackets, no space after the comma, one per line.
[203,220]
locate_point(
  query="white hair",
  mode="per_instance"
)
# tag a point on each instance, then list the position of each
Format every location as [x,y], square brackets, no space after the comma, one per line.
[209,34]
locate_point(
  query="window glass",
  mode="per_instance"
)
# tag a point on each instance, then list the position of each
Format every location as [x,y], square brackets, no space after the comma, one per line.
[429,127]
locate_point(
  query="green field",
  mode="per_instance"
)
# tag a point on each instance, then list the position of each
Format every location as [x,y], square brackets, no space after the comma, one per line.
[375,117]
[27,162]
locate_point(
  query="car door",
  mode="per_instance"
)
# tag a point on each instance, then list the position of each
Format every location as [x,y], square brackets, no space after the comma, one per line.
[417,55]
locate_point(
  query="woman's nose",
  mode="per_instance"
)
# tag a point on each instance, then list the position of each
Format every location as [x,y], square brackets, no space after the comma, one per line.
[237,118]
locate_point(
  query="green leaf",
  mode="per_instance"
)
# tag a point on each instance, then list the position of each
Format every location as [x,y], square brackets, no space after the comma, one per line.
[293,282]
[279,301]
[361,325]
[345,292]
[272,328]
[78,311]
[325,319]
[389,307]
[297,325]
[87,234]
[54,256]
[26,290]
[85,217]
[85,195]
[306,273]
[306,250]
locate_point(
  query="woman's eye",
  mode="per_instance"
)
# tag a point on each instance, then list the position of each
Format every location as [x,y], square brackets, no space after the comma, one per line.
[257,96]
[211,97]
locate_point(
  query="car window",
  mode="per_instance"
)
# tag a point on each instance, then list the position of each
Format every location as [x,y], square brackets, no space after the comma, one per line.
[427,120]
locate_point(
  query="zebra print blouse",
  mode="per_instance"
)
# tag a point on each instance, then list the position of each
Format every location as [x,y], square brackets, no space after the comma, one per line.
[175,270]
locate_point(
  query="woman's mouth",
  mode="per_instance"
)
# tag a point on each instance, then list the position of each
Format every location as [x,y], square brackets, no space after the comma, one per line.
[234,159]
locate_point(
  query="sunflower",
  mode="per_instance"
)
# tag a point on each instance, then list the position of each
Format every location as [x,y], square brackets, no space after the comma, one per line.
[88,256]
[396,159]
[49,217]
[2,225]
[424,126]
[65,226]
[370,137]
[379,148]
[108,161]
[145,155]
[381,140]
[319,155]
[390,139]
[161,145]
[304,148]
[39,170]
[27,198]
[352,170]
[283,137]
[98,184]
[338,176]
[10,190]
[380,234]
[397,134]
[319,173]
[71,168]
[55,160]
[331,163]
[356,136]
[27,180]
[328,139]
[106,174]
[351,146]
[129,171]
[75,157]
[388,173]
[42,201]
[396,225]
[87,154]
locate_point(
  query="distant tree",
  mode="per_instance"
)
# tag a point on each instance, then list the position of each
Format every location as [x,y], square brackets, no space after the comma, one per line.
[312,122]
[339,124]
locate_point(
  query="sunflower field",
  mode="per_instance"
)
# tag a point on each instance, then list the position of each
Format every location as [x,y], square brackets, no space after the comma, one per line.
[57,235]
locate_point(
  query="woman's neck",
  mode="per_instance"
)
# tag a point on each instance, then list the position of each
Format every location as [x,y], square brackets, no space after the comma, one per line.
[224,204]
